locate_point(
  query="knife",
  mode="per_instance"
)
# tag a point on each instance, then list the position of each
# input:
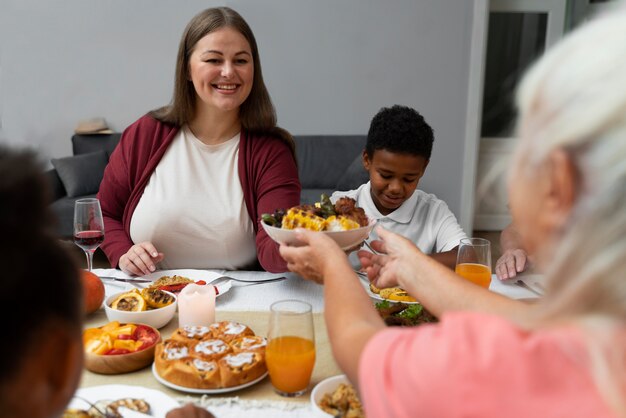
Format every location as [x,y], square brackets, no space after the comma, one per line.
[131,280]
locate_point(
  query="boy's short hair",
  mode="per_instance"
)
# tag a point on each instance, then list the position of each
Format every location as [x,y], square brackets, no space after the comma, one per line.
[400,129]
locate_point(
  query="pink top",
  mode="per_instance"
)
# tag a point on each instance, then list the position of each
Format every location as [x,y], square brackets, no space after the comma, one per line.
[477,365]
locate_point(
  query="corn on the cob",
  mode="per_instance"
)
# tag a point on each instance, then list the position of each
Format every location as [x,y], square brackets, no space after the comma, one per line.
[296,218]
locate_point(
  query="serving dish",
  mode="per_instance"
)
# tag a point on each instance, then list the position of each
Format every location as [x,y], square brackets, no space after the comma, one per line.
[156,318]
[328,385]
[204,391]
[124,363]
[377,297]
[160,403]
[345,239]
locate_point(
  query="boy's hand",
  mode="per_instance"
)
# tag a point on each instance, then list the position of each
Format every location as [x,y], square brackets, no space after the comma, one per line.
[512,262]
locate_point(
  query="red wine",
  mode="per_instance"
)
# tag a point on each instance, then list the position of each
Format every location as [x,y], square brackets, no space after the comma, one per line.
[88,240]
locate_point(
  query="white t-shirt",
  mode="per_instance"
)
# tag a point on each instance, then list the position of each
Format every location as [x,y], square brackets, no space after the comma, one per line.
[192,208]
[422,218]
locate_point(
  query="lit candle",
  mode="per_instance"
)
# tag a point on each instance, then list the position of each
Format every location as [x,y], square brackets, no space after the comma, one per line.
[196,305]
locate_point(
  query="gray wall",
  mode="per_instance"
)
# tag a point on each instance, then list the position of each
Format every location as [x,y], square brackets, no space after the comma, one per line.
[328,64]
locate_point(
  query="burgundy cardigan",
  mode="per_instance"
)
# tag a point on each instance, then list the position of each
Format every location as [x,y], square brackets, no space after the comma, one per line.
[267,171]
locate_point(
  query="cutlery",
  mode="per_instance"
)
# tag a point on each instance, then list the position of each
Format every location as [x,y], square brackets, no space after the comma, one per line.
[524,285]
[131,280]
[222,279]
[370,247]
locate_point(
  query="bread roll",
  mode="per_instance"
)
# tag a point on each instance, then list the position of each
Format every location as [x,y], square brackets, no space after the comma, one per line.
[225,354]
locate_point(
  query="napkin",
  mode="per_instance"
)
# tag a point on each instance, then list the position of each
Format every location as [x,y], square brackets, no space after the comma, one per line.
[234,407]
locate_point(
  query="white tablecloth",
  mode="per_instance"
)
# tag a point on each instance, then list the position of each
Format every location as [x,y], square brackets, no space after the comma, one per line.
[244,296]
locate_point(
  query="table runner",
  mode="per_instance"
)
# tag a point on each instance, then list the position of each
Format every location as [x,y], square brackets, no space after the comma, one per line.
[325,365]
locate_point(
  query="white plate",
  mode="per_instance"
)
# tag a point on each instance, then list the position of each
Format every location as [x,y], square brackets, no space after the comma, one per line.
[160,403]
[366,286]
[195,275]
[203,391]
[345,239]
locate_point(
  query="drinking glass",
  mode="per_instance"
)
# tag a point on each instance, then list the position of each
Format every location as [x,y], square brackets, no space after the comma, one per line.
[88,227]
[473,261]
[290,351]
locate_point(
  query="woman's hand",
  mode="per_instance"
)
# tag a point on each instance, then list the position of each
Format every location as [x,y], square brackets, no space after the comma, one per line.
[318,253]
[189,411]
[395,263]
[140,259]
[512,262]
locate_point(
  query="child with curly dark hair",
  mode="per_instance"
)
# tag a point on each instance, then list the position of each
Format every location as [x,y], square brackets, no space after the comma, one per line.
[397,152]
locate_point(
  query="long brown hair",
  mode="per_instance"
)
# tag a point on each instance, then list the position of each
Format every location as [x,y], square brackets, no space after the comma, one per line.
[257,113]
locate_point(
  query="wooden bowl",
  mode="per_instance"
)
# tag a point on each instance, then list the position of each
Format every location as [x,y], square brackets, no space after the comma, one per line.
[121,363]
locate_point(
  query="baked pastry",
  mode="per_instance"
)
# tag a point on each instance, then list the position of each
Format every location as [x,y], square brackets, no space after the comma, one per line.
[228,330]
[211,349]
[237,369]
[225,354]
[191,333]
[249,343]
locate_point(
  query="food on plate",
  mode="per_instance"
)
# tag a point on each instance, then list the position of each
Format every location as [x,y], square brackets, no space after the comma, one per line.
[321,216]
[393,293]
[109,408]
[93,291]
[136,301]
[156,298]
[402,314]
[222,355]
[343,402]
[175,284]
[115,338]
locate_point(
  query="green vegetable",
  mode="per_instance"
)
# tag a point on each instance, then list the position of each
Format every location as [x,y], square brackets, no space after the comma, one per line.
[269,219]
[412,311]
[382,305]
[327,208]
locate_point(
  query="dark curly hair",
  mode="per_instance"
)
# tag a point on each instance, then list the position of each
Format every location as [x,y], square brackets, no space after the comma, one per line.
[400,129]
[40,281]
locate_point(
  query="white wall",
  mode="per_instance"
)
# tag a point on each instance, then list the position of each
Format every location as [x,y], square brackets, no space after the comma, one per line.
[328,64]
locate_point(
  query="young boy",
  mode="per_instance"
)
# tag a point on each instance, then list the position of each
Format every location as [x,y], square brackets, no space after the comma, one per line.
[397,152]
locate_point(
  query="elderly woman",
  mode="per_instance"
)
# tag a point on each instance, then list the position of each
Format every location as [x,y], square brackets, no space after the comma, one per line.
[187,183]
[490,356]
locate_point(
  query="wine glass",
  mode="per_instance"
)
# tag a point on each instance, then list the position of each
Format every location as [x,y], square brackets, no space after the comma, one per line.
[88,227]
[473,261]
[290,351]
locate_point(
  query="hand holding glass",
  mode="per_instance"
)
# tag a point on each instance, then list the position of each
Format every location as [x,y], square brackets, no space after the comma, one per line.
[88,227]
[473,261]
[290,352]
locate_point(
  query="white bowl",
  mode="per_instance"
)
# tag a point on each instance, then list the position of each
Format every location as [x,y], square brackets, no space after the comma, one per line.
[156,318]
[325,386]
[345,239]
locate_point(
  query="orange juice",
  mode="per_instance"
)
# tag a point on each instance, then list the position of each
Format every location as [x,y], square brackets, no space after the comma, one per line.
[475,273]
[290,361]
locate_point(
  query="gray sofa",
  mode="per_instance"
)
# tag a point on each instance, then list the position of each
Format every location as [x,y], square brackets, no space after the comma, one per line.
[325,163]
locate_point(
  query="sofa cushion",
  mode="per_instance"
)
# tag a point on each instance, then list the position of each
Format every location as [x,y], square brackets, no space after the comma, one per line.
[323,159]
[354,176]
[81,174]
[85,144]
[64,210]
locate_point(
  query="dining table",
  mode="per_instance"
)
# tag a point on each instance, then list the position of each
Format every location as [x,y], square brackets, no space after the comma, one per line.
[248,302]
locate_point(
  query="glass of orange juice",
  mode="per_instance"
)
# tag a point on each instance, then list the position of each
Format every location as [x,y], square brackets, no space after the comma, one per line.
[290,351]
[473,261]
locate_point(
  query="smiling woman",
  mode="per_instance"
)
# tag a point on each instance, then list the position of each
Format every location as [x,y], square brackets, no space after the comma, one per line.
[211,162]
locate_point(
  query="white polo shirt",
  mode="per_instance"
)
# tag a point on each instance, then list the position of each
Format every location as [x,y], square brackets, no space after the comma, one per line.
[422,218]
